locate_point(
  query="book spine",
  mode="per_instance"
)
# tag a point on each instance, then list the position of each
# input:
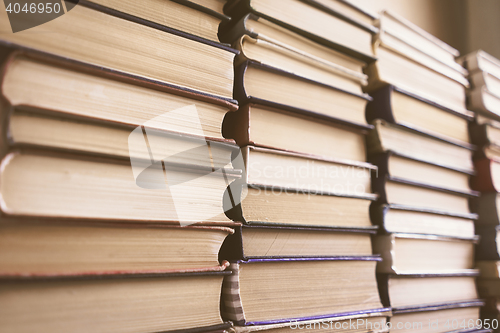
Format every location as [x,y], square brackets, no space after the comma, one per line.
[483,180]
[380,107]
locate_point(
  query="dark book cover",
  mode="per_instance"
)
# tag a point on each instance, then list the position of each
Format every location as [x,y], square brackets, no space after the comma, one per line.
[483,181]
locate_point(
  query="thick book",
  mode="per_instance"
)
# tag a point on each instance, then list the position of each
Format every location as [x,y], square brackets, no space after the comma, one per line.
[149,51]
[409,193]
[487,178]
[404,30]
[50,248]
[398,219]
[50,184]
[424,254]
[484,102]
[362,323]
[455,317]
[406,169]
[481,61]
[312,22]
[398,106]
[306,173]
[348,11]
[261,29]
[267,241]
[182,15]
[264,205]
[490,269]
[489,245]
[125,303]
[405,48]
[484,79]
[295,131]
[299,63]
[417,79]
[407,142]
[259,83]
[404,291]
[347,285]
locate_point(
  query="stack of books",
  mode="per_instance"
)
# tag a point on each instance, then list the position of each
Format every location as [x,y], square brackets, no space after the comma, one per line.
[303,257]
[422,149]
[114,170]
[484,73]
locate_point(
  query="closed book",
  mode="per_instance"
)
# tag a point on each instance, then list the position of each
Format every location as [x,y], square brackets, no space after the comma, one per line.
[126,303]
[272,241]
[418,79]
[454,317]
[258,83]
[150,51]
[313,23]
[406,291]
[420,146]
[398,106]
[347,286]
[424,254]
[295,131]
[50,184]
[484,102]
[481,61]
[398,219]
[181,15]
[409,193]
[262,29]
[37,247]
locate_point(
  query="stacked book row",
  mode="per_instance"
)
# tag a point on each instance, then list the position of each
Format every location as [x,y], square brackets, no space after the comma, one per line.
[484,74]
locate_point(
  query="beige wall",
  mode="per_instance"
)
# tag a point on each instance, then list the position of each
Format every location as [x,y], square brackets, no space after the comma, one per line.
[464,24]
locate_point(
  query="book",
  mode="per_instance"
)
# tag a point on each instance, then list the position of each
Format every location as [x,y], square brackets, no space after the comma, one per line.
[65,185]
[483,101]
[298,63]
[481,61]
[156,54]
[418,79]
[311,22]
[265,30]
[419,146]
[275,206]
[485,134]
[30,80]
[424,254]
[398,219]
[397,106]
[305,173]
[462,317]
[487,80]
[349,11]
[391,23]
[125,303]
[296,131]
[403,168]
[272,241]
[264,84]
[56,248]
[363,323]
[405,291]
[185,16]
[347,285]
